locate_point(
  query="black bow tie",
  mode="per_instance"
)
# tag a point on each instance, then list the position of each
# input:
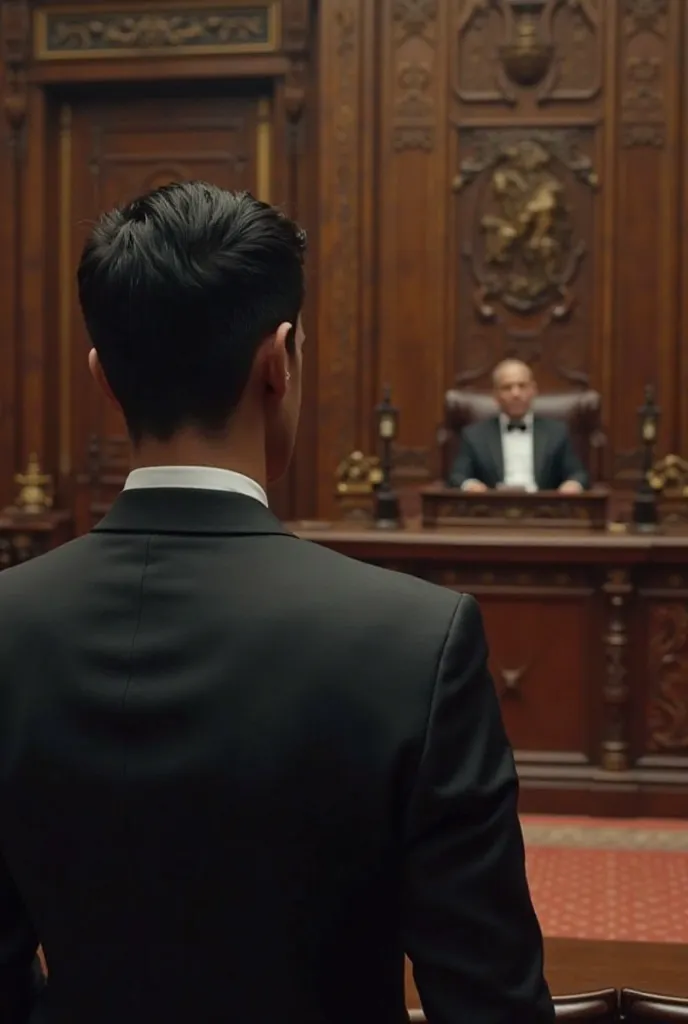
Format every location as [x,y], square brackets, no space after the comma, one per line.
[516,425]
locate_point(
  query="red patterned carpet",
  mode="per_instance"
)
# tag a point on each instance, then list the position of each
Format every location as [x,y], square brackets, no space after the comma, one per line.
[614,880]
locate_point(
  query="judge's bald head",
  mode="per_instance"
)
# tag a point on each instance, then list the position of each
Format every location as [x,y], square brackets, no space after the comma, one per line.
[514,387]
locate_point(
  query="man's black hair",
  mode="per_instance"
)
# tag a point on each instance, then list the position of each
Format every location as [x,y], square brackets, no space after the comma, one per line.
[178,289]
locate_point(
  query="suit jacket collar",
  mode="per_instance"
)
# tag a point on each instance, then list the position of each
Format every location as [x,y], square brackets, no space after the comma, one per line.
[185,510]
[540,448]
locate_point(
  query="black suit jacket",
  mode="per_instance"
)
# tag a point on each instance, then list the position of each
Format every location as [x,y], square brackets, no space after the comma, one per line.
[480,455]
[237,768]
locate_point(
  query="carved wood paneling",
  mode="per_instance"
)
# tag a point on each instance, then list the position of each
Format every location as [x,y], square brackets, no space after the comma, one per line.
[645,255]
[527,142]
[108,32]
[524,226]
[667,717]
[527,56]
[615,754]
[15,44]
[412,222]
[346,176]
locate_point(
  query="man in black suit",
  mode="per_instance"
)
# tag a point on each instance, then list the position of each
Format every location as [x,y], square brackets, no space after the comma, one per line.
[516,448]
[237,769]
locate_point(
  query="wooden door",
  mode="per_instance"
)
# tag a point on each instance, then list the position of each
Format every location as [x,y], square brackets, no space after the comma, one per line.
[110,150]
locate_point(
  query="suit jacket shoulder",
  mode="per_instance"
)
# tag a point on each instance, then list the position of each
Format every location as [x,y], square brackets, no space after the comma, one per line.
[476,432]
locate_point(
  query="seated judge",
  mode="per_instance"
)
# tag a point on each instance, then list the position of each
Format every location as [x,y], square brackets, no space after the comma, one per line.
[517,449]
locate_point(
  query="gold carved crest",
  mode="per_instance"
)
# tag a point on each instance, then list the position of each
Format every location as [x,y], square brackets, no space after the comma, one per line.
[524,252]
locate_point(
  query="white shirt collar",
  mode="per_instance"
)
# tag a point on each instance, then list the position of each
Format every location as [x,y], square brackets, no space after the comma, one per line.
[203,478]
[506,420]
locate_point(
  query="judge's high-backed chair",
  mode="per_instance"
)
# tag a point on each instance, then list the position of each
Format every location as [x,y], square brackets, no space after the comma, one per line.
[592,1007]
[645,1008]
[582,411]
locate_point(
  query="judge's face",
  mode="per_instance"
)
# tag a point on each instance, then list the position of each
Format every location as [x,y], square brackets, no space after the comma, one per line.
[514,390]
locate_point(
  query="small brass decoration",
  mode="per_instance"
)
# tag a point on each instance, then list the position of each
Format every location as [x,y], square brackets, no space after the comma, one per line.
[35,494]
[669,476]
[358,474]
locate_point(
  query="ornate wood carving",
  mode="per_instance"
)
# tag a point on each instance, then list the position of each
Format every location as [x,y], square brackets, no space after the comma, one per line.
[505,48]
[643,107]
[339,306]
[523,246]
[106,33]
[15,43]
[414,105]
[615,693]
[447,507]
[668,675]
[295,25]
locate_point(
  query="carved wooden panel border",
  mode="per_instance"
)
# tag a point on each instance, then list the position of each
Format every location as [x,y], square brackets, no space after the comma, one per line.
[647,112]
[346,181]
[124,30]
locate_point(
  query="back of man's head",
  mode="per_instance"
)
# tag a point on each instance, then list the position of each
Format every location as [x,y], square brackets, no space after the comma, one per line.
[178,290]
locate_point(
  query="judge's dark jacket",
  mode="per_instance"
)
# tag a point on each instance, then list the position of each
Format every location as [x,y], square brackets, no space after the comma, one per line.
[554,459]
[237,769]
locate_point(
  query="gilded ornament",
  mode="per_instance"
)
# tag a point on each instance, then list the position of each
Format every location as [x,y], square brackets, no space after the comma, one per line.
[358,474]
[35,493]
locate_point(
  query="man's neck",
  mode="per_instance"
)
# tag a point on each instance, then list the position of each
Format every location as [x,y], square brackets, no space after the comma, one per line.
[191,450]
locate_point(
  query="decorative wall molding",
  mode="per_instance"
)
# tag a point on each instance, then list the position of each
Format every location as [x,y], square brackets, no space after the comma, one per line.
[615,693]
[644,54]
[295,25]
[15,45]
[503,48]
[415,31]
[340,141]
[125,31]
[668,678]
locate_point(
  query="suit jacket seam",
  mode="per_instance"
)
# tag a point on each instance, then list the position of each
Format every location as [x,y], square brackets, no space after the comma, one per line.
[137,626]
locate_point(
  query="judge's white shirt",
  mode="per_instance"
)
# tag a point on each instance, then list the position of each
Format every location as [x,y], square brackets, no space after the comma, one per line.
[517,454]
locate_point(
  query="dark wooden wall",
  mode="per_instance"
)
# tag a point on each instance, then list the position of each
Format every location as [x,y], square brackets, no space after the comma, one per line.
[404,133]
[420,104]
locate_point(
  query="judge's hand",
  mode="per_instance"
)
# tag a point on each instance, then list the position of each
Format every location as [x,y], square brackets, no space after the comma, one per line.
[475,486]
[571,487]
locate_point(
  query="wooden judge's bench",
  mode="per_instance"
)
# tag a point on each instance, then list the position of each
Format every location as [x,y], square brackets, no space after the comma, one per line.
[588,632]
[587,621]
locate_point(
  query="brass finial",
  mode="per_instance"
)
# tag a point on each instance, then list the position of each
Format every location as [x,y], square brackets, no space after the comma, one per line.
[35,488]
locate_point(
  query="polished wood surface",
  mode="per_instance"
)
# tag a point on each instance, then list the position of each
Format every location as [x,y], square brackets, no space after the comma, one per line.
[588,634]
[583,965]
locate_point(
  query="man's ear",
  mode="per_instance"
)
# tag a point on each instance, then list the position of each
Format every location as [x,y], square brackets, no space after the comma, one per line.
[99,377]
[277,372]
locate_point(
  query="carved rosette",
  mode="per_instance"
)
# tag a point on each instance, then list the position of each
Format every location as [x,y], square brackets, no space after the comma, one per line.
[668,678]
[415,37]
[615,692]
